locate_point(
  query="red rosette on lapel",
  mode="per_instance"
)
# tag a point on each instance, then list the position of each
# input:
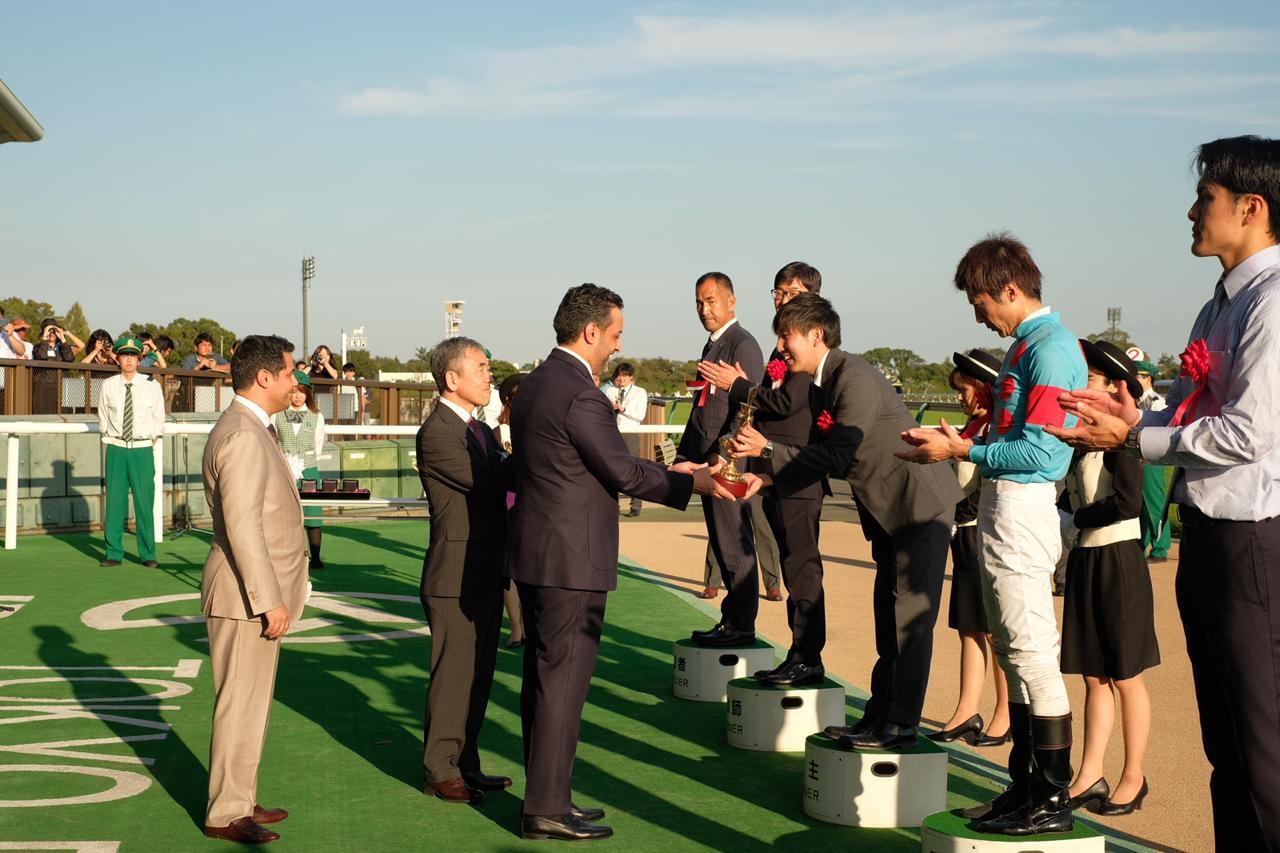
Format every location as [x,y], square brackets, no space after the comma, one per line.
[825,422]
[1195,366]
[776,370]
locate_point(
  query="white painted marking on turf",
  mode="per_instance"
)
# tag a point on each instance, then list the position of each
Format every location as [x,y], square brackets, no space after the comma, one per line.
[88,712]
[60,749]
[172,689]
[127,784]
[186,668]
[72,846]
[112,616]
[11,604]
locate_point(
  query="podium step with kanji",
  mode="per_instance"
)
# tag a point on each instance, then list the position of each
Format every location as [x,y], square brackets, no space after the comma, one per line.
[767,718]
[702,674]
[874,787]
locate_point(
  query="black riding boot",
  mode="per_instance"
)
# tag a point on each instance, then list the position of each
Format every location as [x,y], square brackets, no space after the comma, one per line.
[1015,795]
[1048,808]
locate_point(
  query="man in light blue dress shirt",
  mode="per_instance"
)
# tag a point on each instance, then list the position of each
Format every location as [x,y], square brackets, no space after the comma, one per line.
[1225,441]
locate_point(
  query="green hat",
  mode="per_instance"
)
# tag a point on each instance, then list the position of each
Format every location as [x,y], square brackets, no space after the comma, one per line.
[128,345]
[1145,367]
[301,378]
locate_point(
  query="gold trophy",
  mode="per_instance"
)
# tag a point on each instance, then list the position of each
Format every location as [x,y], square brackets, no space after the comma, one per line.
[729,476]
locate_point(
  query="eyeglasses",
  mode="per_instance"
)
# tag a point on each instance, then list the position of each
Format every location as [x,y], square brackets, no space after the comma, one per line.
[779,294]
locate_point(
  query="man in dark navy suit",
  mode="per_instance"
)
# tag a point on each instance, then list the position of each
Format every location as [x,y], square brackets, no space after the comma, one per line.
[783,416]
[562,550]
[728,523]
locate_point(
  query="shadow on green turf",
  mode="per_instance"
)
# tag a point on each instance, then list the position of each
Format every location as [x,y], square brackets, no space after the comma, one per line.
[179,772]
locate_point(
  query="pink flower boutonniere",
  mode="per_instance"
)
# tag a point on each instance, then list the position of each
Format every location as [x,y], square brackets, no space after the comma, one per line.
[825,422]
[776,370]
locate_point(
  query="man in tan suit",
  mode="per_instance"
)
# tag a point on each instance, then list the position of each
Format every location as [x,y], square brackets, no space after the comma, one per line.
[255,581]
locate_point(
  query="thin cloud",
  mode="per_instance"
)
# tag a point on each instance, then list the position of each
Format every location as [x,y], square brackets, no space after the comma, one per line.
[815,63]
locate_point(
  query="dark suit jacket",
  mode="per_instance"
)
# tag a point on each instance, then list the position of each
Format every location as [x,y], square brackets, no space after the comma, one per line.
[716,417]
[466,488]
[869,418]
[784,416]
[570,463]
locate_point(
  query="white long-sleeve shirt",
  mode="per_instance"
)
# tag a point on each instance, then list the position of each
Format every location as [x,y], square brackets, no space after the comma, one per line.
[634,401]
[148,409]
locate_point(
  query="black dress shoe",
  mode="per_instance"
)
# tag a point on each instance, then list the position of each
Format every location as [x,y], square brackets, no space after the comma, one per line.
[515,644]
[481,782]
[1091,798]
[723,637]
[793,674]
[1112,809]
[589,815]
[864,725]
[970,731]
[883,736]
[565,827]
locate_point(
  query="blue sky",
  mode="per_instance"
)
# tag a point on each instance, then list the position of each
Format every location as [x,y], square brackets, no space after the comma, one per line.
[499,153]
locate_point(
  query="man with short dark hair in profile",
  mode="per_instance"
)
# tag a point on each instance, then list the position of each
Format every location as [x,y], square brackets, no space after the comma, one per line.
[905,511]
[729,527]
[570,464]
[1220,429]
[1018,521]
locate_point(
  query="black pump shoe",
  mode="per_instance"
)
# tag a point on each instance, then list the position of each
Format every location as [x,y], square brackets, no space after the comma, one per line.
[1092,798]
[1110,809]
[988,740]
[970,731]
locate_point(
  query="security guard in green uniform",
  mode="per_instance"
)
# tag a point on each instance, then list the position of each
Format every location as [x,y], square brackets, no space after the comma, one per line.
[131,420]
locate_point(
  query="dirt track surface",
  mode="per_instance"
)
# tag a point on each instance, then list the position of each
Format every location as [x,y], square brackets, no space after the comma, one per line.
[1175,816]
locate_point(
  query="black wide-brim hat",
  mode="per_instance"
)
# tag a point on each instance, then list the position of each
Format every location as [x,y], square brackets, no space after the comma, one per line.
[978,364]
[1113,363]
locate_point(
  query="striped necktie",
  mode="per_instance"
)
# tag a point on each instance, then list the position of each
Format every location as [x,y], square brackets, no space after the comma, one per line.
[126,431]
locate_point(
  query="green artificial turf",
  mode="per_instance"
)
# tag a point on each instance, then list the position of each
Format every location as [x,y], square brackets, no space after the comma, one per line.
[344,749]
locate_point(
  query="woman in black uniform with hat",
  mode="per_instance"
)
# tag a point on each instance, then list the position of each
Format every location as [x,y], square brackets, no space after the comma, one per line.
[972,378]
[1108,617]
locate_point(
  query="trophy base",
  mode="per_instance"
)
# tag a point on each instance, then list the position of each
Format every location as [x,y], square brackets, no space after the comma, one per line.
[737,488]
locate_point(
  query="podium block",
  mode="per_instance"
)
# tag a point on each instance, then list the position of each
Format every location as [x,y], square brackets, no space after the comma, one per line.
[702,674]
[765,718]
[945,832]
[874,788]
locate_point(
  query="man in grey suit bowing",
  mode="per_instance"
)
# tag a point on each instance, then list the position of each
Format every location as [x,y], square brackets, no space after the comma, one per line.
[465,478]
[562,550]
[254,584]
[905,510]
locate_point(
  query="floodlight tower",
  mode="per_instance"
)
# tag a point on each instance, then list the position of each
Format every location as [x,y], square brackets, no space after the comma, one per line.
[453,317]
[308,273]
[1113,321]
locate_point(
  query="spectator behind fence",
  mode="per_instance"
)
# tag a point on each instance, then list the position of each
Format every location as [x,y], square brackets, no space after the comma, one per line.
[204,358]
[53,346]
[362,395]
[98,349]
[156,351]
[322,366]
[11,346]
[630,402]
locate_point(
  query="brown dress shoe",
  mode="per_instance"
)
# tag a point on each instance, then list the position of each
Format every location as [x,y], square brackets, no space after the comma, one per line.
[151,564]
[242,831]
[774,594]
[453,791]
[709,592]
[262,815]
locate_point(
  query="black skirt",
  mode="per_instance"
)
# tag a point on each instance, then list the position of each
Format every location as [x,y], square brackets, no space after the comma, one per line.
[1108,615]
[966,613]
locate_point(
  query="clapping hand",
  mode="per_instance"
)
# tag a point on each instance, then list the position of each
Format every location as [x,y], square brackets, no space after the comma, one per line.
[1104,419]
[933,444]
[720,374]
